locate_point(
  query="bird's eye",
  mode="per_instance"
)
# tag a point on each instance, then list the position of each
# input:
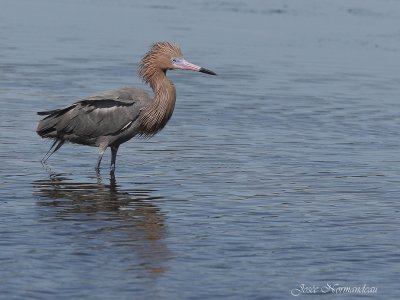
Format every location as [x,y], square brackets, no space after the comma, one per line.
[174,60]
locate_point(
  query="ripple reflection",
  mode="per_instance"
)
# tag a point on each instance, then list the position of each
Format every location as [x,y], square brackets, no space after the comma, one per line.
[119,220]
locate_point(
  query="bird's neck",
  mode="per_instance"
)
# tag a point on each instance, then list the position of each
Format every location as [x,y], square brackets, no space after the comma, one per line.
[157,114]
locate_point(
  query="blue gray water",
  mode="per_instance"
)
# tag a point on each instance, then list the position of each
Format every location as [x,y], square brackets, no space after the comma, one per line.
[283,170]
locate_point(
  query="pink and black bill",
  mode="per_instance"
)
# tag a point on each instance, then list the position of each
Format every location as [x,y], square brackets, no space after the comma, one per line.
[180,63]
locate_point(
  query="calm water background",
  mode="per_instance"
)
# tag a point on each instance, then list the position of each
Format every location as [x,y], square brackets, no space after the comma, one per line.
[283,170]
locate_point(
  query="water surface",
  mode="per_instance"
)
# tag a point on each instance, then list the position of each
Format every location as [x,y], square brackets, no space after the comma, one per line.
[283,170]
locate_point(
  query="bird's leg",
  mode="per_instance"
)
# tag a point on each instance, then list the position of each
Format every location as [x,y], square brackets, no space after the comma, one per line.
[99,160]
[102,149]
[114,150]
[50,153]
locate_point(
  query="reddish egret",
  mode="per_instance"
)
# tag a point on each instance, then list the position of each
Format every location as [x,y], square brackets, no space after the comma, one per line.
[111,118]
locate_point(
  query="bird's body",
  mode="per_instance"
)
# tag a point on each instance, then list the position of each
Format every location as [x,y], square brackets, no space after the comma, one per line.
[111,118]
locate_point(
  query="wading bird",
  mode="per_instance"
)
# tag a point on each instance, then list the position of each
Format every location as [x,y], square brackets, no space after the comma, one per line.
[111,118]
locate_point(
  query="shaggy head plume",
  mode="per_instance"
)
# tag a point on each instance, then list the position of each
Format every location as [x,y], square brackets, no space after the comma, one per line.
[158,58]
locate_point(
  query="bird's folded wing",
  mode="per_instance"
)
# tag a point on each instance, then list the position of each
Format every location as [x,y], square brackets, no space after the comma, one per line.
[93,118]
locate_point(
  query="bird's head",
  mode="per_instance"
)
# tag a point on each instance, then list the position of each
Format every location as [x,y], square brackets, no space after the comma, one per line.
[166,56]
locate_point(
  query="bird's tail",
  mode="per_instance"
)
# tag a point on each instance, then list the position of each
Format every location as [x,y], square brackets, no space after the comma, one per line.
[47,128]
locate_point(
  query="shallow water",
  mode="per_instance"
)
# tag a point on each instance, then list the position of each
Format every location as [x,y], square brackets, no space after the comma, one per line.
[283,170]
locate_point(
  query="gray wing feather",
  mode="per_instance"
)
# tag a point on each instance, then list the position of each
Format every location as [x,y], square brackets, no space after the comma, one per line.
[92,118]
[104,114]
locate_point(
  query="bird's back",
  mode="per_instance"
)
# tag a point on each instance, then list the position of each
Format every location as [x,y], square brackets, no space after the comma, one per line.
[108,117]
[126,94]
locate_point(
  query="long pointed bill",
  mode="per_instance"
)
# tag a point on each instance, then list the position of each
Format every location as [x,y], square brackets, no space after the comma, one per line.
[185,65]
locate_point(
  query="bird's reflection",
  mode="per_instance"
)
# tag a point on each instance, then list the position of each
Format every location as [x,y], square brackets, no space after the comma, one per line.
[122,218]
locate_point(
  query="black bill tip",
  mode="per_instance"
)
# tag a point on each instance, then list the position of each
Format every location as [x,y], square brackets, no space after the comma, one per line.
[207,71]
